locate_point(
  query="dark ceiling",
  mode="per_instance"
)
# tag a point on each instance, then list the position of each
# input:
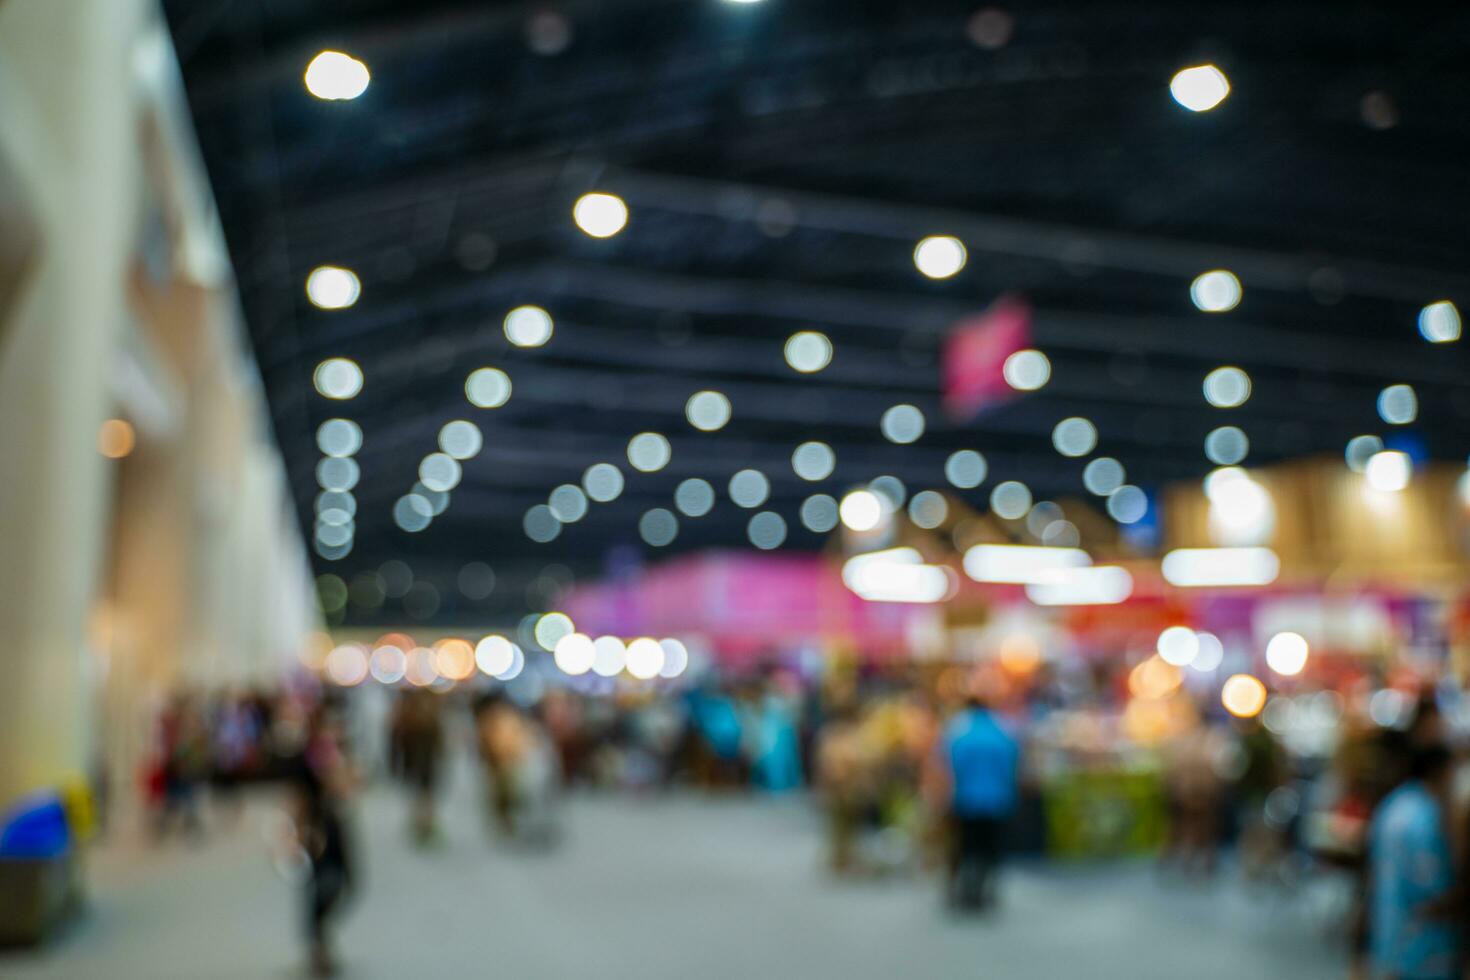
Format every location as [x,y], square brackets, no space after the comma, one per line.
[1333,182]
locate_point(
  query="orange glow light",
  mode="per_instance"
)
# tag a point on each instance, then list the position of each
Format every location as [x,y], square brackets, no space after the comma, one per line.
[116,438]
[1243,696]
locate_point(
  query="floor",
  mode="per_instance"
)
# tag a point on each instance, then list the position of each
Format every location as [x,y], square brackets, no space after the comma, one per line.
[678,886]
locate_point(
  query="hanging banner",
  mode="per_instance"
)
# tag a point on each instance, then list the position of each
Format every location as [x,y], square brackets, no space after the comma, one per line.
[975,354]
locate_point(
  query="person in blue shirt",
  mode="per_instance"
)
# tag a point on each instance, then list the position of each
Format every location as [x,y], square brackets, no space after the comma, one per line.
[1410,934]
[983,759]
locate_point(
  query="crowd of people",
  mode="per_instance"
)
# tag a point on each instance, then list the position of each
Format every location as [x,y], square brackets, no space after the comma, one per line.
[914,767]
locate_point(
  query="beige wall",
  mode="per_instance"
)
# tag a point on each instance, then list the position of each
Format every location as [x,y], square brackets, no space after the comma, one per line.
[182,563]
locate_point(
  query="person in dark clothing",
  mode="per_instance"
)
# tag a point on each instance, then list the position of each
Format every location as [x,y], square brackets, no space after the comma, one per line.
[323,783]
[420,734]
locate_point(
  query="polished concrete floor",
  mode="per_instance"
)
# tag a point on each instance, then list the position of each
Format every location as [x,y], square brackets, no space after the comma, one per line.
[674,887]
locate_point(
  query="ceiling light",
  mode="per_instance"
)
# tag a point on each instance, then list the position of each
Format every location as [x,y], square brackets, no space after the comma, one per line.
[528,326]
[1204,567]
[600,215]
[1199,88]
[1217,291]
[331,287]
[940,256]
[336,77]
[808,351]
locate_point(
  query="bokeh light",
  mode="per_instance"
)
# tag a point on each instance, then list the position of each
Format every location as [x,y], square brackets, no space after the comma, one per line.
[658,527]
[1216,291]
[603,482]
[334,76]
[749,488]
[487,387]
[902,424]
[813,461]
[966,469]
[1286,653]
[1398,405]
[1199,88]
[928,509]
[766,530]
[1027,370]
[574,654]
[1103,476]
[861,510]
[819,513]
[940,256]
[808,351]
[649,452]
[707,410]
[1011,500]
[460,439]
[331,287]
[1243,696]
[1074,437]
[338,377]
[1439,323]
[116,438]
[694,497]
[1227,387]
[528,326]
[600,215]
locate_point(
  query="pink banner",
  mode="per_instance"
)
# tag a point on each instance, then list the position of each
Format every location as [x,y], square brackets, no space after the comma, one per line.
[975,355]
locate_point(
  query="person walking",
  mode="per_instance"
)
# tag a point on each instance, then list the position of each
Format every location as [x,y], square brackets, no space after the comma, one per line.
[983,762]
[1412,932]
[323,783]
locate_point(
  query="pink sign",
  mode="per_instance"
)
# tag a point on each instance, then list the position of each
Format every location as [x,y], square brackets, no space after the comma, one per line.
[975,355]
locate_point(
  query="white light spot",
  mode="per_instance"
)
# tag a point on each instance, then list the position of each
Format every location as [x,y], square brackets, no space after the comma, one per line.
[813,461]
[1210,655]
[708,410]
[440,471]
[1103,475]
[1199,88]
[609,656]
[1010,500]
[649,452]
[336,77]
[600,215]
[1439,323]
[339,437]
[694,497]
[528,326]
[965,469]
[1074,437]
[338,378]
[461,439]
[645,658]
[1178,645]
[1286,653]
[569,504]
[902,424]
[1027,370]
[1227,446]
[1128,504]
[928,509]
[331,287]
[1359,450]
[819,513]
[574,654]
[940,256]
[487,387]
[658,527]
[1227,387]
[676,658]
[412,513]
[766,530]
[337,473]
[808,351]
[541,524]
[603,482]
[891,489]
[552,628]
[749,488]
[1216,291]
[1398,405]
[861,510]
[1389,471]
[494,655]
